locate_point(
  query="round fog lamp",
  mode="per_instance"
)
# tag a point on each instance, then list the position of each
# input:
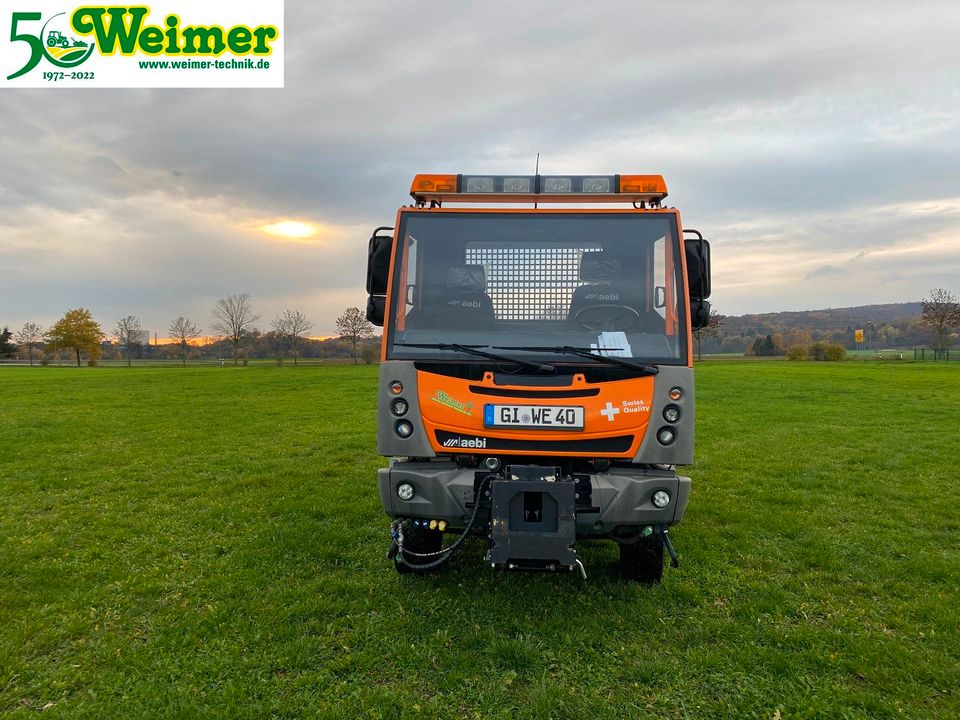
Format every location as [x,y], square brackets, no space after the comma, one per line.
[404,429]
[661,498]
[405,491]
[666,436]
[399,407]
[676,393]
[671,413]
[396,387]
[492,463]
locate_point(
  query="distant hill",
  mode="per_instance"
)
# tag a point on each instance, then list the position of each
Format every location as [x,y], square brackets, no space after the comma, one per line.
[828,318]
[893,325]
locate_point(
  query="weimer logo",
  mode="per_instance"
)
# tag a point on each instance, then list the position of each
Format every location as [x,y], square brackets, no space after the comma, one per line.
[140,46]
[445,399]
[124,29]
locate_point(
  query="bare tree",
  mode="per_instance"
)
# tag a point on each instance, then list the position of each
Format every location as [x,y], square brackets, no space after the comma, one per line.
[233,317]
[293,325]
[129,335]
[940,312]
[712,329]
[28,336]
[183,331]
[353,326]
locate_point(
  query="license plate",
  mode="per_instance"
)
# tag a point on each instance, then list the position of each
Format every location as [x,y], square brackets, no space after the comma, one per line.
[534,417]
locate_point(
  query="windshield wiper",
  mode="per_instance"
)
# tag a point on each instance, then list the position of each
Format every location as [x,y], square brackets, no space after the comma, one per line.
[472,350]
[588,353]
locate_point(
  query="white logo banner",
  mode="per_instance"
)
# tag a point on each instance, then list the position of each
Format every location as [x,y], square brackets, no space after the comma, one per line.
[168,44]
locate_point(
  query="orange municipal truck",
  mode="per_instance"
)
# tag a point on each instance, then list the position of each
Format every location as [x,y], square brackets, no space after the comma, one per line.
[536,377]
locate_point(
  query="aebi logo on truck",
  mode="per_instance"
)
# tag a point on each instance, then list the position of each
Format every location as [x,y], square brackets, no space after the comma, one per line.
[476,443]
[572,330]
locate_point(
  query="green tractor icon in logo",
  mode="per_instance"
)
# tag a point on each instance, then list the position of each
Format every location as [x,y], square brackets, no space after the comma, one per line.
[61,50]
[58,38]
[53,44]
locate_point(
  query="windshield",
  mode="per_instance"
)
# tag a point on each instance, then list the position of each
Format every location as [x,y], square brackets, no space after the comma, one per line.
[534,283]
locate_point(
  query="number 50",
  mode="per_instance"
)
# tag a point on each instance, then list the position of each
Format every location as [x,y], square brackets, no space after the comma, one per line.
[33,41]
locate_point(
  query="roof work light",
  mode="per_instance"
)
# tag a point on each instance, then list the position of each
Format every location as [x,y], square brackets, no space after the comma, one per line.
[540,188]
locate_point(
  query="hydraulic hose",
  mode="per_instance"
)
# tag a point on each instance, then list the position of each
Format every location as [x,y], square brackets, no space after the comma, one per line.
[447,552]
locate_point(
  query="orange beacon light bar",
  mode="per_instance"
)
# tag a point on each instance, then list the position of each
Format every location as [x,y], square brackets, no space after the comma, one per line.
[539,188]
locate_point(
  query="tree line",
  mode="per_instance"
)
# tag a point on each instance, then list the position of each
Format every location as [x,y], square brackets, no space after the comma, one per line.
[934,322]
[233,322]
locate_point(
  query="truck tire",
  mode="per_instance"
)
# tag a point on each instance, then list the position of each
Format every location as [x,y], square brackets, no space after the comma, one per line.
[642,561]
[418,540]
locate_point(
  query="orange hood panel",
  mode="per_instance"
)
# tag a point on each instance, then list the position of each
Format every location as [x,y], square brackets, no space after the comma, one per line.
[615,416]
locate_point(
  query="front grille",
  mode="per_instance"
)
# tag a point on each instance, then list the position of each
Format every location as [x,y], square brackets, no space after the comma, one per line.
[458,441]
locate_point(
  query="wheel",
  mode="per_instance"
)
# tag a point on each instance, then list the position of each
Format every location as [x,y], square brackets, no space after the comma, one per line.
[642,560]
[64,43]
[417,540]
[51,41]
[607,317]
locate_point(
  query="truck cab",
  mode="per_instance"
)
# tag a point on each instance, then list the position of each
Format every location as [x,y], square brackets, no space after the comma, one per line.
[536,377]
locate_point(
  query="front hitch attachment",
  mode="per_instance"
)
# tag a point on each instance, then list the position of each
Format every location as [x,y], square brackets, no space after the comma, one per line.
[533,520]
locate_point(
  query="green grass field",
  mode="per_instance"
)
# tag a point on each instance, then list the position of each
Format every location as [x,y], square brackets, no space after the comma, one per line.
[208,543]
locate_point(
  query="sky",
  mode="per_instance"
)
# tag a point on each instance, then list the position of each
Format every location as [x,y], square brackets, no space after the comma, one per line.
[817,146]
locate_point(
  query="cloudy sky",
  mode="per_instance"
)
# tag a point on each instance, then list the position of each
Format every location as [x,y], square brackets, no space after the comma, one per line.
[816,145]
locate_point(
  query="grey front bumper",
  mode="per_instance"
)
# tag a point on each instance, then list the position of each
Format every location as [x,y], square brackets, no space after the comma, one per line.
[623,495]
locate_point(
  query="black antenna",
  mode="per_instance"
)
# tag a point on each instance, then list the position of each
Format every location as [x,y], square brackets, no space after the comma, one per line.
[536,179]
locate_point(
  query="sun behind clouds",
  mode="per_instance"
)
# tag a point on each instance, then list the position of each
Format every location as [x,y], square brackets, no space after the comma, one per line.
[295,230]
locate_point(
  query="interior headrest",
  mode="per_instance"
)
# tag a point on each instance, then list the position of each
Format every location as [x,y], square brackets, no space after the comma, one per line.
[467,279]
[594,266]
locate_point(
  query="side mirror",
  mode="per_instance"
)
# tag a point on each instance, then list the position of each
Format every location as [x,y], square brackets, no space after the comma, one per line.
[699,314]
[378,262]
[698,265]
[378,275]
[376,308]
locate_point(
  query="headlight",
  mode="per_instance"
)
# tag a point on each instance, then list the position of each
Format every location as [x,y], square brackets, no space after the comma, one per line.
[666,436]
[404,429]
[661,498]
[671,413]
[405,491]
[399,407]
